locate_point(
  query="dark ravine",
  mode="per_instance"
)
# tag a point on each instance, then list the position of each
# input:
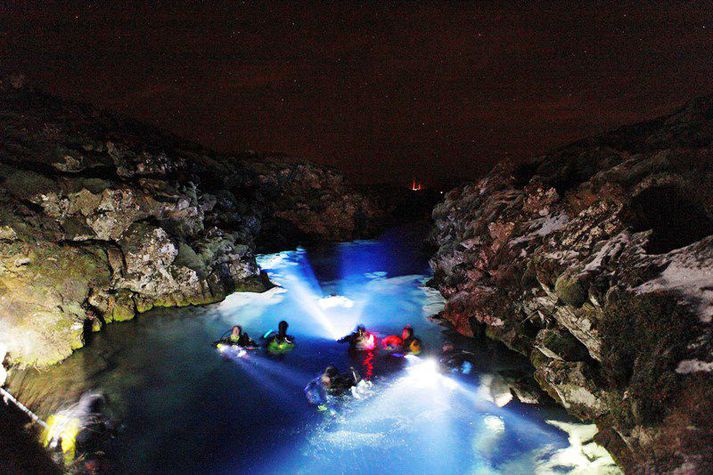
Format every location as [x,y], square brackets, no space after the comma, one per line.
[596,262]
[102,218]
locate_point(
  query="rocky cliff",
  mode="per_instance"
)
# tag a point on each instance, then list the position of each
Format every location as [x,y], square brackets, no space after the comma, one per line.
[596,261]
[102,218]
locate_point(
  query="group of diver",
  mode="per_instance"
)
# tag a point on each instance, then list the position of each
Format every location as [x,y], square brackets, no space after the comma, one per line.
[82,436]
[331,382]
[362,340]
[275,342]
[359,340]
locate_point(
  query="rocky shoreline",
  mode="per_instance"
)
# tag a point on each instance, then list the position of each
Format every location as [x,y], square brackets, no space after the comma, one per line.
[102,218]
[596,262]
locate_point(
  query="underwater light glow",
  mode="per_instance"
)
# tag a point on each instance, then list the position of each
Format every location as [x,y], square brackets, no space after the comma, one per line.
[495,389]
[426,373]
[335,315]
[494,423]
[335,301]
[280,381]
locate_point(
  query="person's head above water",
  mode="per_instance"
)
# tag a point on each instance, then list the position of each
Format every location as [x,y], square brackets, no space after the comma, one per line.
[407,332]
[237,330]
[361,329]
[96,405]
[282,328]
[329,373]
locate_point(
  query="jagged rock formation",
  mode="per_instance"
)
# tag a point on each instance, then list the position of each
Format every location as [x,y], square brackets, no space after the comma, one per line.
[596,261]
[306,203]
[101,218]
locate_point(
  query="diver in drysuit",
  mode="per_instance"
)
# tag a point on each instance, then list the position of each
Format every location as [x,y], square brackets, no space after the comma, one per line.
[81,437]
[411,344]
[279,342]
[95,439]
[360,339]
[237,337]
[331,383]
[406,343]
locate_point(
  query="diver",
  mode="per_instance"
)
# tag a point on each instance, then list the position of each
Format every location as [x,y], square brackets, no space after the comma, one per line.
[279,342]
[410,343]
[97,436]
[360,339]
[237,337]
[331,383]
[406,343]
[457,360]
[82,436]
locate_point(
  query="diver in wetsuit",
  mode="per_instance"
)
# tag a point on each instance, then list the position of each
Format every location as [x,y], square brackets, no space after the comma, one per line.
[82,436]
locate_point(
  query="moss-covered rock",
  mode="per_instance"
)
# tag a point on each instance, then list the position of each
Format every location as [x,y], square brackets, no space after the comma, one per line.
[42,300]
[645,336]
[122,306]
[103,218]
[571,289]
[27,185]
[560,344]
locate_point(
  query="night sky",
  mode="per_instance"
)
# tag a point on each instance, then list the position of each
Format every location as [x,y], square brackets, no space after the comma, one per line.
[384,93]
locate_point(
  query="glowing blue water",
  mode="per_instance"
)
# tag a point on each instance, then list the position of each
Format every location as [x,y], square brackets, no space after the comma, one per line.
[185,409]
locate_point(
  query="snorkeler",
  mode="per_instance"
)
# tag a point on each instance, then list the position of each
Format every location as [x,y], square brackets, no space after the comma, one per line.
[360,339]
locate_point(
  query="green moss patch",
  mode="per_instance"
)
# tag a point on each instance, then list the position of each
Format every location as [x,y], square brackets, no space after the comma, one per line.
[644,337]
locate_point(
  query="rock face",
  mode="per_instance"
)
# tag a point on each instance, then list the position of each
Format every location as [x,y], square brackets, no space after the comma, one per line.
[102,218]
[307,203]
[596,261]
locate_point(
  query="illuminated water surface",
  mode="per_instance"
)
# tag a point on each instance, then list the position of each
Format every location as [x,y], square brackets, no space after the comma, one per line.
[186,409]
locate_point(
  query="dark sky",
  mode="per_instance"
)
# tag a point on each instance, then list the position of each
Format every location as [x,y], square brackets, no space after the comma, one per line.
[382,92]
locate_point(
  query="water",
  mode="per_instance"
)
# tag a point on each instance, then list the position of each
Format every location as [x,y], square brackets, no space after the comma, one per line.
[184,409]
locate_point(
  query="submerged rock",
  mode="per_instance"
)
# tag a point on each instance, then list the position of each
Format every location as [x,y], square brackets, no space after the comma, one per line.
[596,262]
[102,218]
